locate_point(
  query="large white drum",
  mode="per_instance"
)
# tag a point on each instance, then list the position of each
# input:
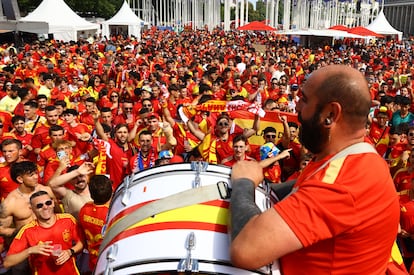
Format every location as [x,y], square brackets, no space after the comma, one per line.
[184,240]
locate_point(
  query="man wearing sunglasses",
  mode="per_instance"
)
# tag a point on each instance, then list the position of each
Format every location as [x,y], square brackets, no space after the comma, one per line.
[15,205]
[15,210]
[127,116]
[38,241]
[218,144]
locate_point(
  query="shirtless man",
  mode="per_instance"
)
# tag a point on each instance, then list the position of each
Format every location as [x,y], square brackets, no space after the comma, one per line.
[16,210]
[16,206]
[78,176]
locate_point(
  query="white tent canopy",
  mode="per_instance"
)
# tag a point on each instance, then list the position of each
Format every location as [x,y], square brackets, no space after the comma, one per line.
[124,17]
[382,26]
[324,32]
[57,18]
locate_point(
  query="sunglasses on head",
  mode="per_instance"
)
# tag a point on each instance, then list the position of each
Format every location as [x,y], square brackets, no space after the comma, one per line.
[270,136]
[41,204]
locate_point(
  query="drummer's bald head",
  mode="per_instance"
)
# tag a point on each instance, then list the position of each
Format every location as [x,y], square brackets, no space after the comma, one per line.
[348,87]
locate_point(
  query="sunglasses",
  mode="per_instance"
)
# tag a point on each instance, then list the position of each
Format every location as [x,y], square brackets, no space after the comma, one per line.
[411,134]
[147,105]
[41,204]
[274,83]
[270,136]
[114,96]
[223,124]
[128,109]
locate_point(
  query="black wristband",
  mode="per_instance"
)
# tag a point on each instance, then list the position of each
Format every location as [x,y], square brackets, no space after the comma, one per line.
[72,252]
[242,205]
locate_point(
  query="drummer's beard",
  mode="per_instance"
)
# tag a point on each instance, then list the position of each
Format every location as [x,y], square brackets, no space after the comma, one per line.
[312,134]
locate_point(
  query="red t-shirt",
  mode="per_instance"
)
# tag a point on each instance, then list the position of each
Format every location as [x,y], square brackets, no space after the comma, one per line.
[346,217]
[118,165]
[41,135]
[87,119]
[92,217]
[407,223]
[273,173]
[380,138]
[81,128]
[64,232]
[402,179]
[6,183]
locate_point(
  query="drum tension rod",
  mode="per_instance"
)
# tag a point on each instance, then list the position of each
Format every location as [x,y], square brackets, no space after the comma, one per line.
[189,264]
[127,194]
[198,167]
[110,257]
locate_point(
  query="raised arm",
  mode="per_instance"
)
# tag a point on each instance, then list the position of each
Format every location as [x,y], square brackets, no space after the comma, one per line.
[286,132]
[58,183]
[192,126]
[269,161]
[171,140]
[98,126]
[257,238]
[248,132]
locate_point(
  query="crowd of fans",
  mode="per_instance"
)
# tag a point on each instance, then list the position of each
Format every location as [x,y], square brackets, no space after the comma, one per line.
[121,105]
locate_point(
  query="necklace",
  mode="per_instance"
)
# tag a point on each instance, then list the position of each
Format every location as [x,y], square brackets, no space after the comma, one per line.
[20,192]
[23,195]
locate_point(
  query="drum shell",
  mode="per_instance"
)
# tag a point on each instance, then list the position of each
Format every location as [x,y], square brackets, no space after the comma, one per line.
[158,243]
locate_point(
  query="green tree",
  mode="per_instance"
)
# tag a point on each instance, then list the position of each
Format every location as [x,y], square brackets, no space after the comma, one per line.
[257,14]
[261,9]
[85,8]
[27,6]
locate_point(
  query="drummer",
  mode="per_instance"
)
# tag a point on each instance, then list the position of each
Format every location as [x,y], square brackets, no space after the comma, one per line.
[341,205]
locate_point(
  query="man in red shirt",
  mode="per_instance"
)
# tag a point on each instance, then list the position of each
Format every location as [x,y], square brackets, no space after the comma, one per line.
[240,147]
[147,153]
[92,215]
[11,149]
[120,151]
[86,117]
[76,129]
[18,132]
[343,202]
[217,144]
[39,240]
[41,136]
[379,131]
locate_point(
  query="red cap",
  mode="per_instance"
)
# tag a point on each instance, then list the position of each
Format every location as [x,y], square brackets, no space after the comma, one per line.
[153,115]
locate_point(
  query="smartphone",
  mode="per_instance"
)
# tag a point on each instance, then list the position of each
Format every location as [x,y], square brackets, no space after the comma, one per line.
[61,154]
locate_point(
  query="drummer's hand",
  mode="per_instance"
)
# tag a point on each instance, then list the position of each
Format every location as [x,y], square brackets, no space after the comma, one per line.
[247,169]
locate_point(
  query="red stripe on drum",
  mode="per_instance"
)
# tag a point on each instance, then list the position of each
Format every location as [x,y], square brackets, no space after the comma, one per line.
[169,226]
[127,211]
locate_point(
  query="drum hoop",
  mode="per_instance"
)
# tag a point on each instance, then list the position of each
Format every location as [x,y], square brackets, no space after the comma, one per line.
[135,181]
[137,263]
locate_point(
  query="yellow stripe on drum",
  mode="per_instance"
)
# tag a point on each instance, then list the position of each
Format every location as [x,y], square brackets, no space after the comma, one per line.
[194,213]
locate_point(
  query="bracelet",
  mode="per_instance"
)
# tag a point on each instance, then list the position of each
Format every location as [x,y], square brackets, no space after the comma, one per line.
[72,252]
